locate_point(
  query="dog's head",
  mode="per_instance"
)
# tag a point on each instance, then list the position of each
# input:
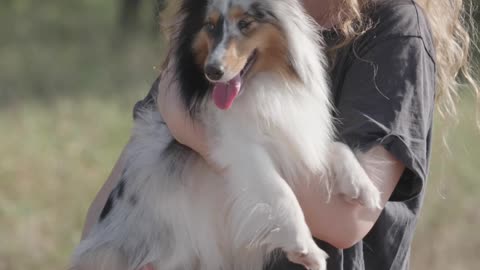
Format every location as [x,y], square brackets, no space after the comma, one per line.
[238,40]
[222,44]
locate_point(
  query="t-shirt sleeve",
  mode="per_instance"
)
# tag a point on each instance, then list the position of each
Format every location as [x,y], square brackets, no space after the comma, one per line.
[387,98]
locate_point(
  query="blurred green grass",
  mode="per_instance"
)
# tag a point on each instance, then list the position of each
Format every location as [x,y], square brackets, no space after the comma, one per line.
[68,82]
[447,236]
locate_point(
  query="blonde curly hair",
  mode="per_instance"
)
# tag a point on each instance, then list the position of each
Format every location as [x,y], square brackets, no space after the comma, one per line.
[453,31]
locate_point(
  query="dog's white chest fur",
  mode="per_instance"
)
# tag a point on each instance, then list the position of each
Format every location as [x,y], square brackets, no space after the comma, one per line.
[291,123]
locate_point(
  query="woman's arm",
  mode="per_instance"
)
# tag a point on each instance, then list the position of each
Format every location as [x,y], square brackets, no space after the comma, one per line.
[102,196]
[338,222]
[342,223]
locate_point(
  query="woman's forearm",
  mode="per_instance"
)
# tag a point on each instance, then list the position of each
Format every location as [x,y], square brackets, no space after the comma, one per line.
[102,196]
[342,223]
[338,222]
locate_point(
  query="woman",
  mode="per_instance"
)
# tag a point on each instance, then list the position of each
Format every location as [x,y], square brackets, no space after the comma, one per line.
[390,59]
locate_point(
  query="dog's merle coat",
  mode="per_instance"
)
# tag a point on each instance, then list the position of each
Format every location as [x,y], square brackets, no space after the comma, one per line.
[170,209]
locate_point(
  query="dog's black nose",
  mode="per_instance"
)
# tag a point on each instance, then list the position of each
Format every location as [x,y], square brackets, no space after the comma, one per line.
[214,72]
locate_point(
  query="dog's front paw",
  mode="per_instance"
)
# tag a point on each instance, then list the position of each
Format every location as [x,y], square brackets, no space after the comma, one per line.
[312,258]
[350,178]
[362,192]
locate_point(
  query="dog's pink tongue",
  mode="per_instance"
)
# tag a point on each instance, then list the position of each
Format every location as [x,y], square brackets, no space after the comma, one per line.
[225,93]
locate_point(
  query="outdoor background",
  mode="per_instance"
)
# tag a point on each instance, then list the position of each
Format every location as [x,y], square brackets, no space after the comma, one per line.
[70,73]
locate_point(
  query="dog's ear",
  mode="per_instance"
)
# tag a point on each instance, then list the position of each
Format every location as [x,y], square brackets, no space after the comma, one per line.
[191,79]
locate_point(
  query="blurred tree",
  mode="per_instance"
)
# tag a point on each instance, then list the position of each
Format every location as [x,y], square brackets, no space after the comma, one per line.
[129,14]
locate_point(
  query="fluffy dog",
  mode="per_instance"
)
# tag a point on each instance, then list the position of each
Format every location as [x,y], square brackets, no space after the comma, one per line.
[253,72]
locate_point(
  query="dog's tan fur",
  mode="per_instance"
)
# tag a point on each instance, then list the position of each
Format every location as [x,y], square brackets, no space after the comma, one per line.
[267,38]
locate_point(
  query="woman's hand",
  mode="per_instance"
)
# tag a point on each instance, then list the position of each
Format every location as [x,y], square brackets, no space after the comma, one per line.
[183,128]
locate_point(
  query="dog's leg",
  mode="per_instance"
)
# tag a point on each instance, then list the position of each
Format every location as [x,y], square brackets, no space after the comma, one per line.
[265,212]
[349,177]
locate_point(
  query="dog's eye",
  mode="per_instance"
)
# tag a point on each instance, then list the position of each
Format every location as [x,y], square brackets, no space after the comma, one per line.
[243,25]
[209,27]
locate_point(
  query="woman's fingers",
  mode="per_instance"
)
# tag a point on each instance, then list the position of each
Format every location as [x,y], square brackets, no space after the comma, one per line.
[183,128]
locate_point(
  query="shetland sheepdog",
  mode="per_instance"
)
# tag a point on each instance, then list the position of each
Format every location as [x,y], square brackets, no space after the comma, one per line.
[254,73]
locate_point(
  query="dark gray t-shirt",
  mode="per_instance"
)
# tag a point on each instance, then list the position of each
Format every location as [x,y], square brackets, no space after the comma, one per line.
[383,87]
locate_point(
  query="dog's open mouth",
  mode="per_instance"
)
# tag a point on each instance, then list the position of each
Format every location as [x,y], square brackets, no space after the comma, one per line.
[225,93]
